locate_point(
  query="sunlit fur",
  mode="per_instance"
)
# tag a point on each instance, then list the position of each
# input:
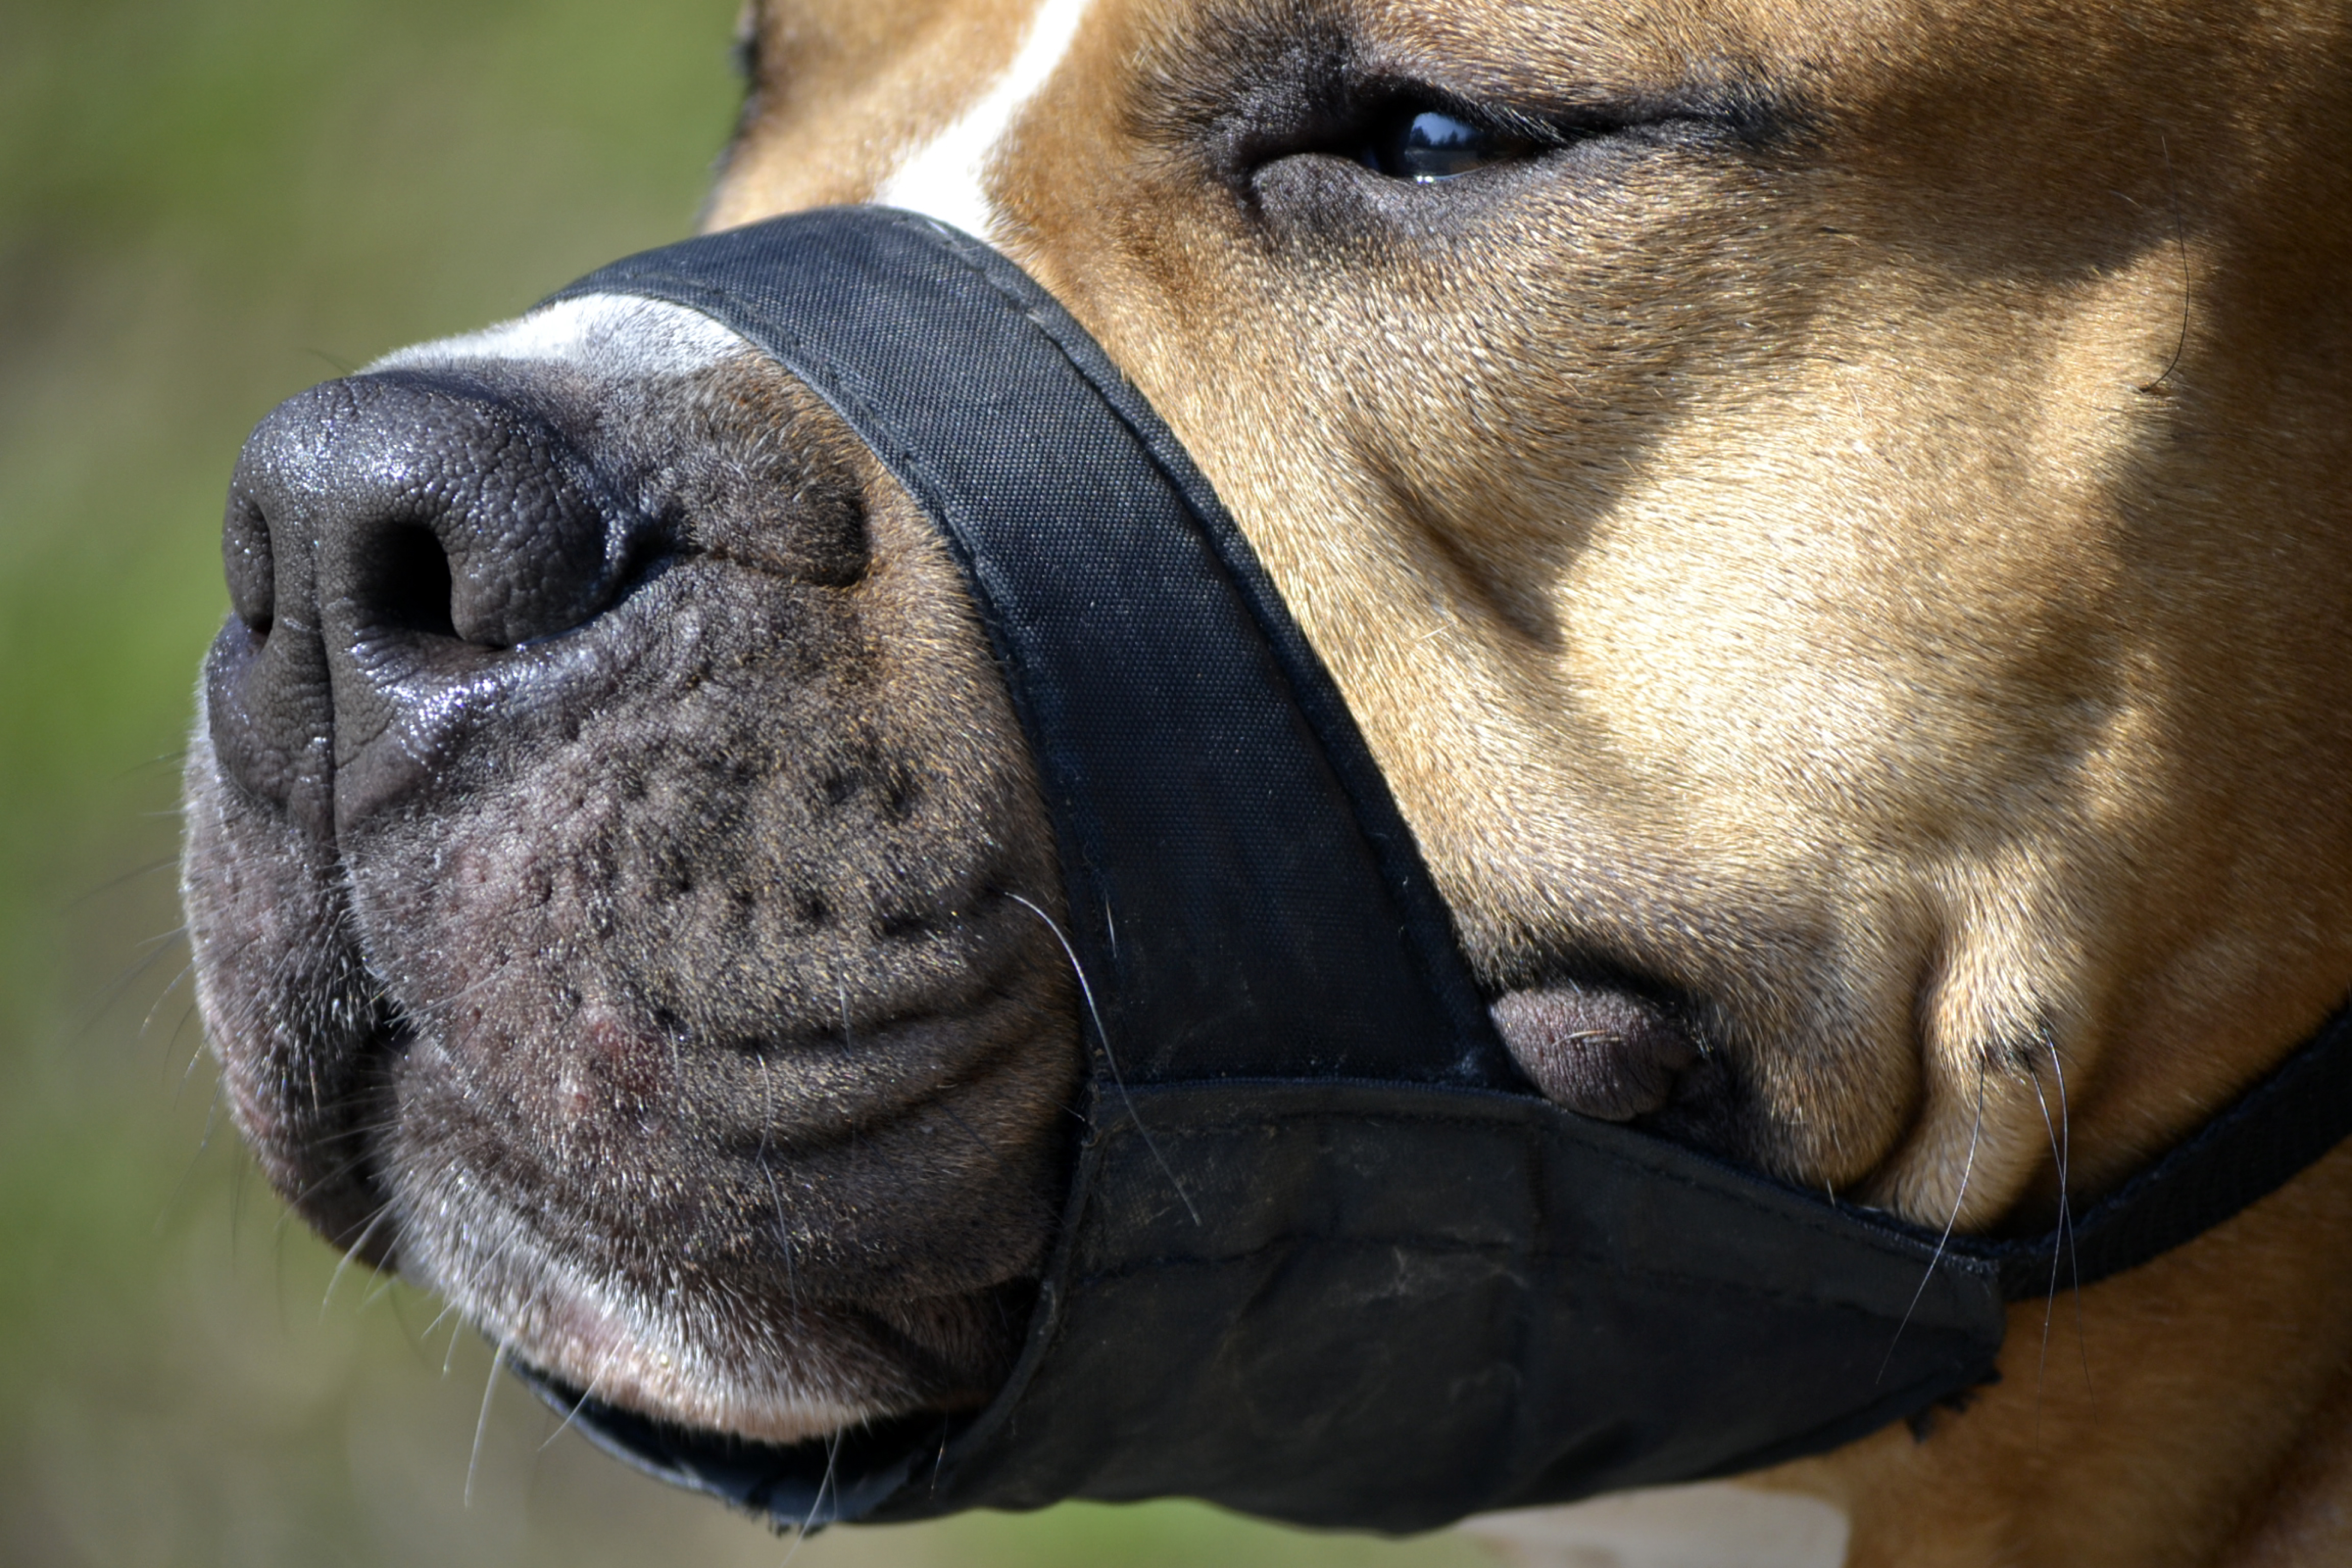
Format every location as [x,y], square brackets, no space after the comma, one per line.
[1878,573]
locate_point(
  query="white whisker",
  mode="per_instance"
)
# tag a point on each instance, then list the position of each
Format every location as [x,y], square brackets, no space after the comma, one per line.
[2065,1161]
[482,1422]
[831,1455]
[351,1252]
[1110,1060]
[1968,1169]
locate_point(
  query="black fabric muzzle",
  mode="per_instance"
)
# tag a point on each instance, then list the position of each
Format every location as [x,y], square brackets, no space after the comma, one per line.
[1327,1258]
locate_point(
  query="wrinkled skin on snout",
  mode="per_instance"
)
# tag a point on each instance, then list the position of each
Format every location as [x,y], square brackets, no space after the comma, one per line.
[638,958]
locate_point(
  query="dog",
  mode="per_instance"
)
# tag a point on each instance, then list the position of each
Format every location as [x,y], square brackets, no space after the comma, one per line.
[1831,518]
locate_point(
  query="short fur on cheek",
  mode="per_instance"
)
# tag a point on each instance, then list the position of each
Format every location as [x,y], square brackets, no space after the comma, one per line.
[1755,562]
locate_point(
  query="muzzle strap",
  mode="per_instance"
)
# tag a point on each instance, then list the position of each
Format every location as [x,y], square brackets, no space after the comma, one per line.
[1325,1257]
[2262,1140]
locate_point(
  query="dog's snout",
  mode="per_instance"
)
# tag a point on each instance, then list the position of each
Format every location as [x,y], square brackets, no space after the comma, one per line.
[389,540]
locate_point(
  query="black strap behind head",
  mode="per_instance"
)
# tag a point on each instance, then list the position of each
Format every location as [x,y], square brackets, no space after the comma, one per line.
[1326,1257]
[2262,1140]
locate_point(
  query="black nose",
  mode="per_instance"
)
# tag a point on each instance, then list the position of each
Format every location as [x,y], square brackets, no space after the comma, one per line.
[394,543]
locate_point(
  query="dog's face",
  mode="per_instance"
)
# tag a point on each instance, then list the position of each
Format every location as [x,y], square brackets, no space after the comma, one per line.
[1829,517]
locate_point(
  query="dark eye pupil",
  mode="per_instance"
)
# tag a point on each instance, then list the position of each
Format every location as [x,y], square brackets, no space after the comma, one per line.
[1435,145]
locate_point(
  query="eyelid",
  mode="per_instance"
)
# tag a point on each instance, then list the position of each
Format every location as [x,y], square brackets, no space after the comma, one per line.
[1407,97]
[1741,106]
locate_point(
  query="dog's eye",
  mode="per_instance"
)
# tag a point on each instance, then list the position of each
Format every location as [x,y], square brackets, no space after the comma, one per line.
[1431,144]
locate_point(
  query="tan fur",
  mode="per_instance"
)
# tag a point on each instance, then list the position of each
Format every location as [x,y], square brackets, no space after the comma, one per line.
[1831,578]
[867,83]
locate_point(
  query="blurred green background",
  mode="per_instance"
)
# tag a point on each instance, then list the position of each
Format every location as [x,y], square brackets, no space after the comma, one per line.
[205,205]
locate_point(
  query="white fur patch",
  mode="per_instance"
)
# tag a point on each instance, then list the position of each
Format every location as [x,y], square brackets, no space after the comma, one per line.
[943,178]
[605,334]
[1715,1524]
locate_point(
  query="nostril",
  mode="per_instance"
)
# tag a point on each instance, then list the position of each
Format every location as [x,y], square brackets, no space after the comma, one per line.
[251,566]
[266,679]
[446,511]
[406,582]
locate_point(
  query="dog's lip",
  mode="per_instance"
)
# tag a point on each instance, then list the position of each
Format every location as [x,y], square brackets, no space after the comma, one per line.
[677,1386]
[591,1155]
[646,1359]
[1599,1042]
[1594,968]
[857,1075]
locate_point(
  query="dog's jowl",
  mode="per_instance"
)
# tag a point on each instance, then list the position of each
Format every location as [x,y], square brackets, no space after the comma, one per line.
[1831,520]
